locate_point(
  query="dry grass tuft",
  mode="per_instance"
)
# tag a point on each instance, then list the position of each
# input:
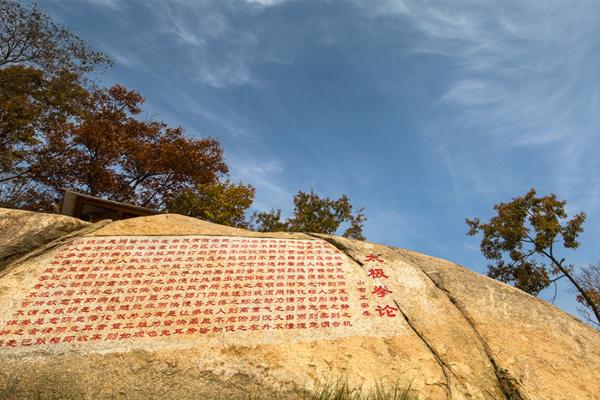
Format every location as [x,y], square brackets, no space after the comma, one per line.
[340,390]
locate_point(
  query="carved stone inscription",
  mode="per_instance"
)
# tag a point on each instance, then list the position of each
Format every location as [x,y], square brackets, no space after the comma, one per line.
[123,288]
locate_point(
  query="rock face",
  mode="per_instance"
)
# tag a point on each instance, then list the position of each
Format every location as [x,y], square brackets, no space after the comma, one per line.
[170,307]
[24,231]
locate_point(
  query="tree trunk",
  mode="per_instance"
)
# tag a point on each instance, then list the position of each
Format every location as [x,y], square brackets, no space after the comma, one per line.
[570,277]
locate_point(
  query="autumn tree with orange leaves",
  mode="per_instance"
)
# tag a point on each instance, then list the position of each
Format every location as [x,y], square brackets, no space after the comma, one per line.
[58,131]
[110,153]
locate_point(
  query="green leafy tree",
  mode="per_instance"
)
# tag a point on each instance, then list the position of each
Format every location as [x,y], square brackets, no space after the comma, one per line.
[522,240]
[314,214]
[220,202]
[269,221]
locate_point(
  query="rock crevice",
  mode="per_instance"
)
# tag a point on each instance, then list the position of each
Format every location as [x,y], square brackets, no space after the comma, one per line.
[439,360]
[506,386]
[510,387]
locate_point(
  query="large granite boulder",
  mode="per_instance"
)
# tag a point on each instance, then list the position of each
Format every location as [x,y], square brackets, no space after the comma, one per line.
[170,307]
[24,231]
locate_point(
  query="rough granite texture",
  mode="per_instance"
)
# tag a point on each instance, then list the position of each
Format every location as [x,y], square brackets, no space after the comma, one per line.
[24,231]
[457,335]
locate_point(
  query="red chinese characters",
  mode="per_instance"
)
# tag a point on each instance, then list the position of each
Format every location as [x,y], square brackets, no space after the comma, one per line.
[372,258]
[111,289]
[377,273]
[379,289]
[387,311]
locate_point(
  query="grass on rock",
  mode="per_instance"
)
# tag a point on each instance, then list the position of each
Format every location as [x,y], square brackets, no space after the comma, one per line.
[340,390]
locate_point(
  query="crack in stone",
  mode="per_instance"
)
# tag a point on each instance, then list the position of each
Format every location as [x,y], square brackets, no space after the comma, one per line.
[509,386]
[443,366]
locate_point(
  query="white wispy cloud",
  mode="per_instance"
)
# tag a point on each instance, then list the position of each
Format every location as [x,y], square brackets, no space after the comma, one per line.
[222,44]
[523,76]
[474,92]
[112,4]
[216,52]
[266,176]
[266,2]
[534,53]
[130,59]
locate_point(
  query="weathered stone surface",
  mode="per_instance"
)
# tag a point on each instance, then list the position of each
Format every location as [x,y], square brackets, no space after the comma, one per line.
[549,353]
[433,318]
[174,224]
[24,231]
[536,351]
[252,315]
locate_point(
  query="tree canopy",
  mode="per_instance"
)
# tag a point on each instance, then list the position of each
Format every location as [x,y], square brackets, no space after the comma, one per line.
[42,78]
[60,130]
[315,214]
[29,37]
[219,202]
[58,135]
[32,105]
[522,240]
[112,154]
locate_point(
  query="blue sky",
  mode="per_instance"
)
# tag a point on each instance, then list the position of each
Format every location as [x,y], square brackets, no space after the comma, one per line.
[424,113]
